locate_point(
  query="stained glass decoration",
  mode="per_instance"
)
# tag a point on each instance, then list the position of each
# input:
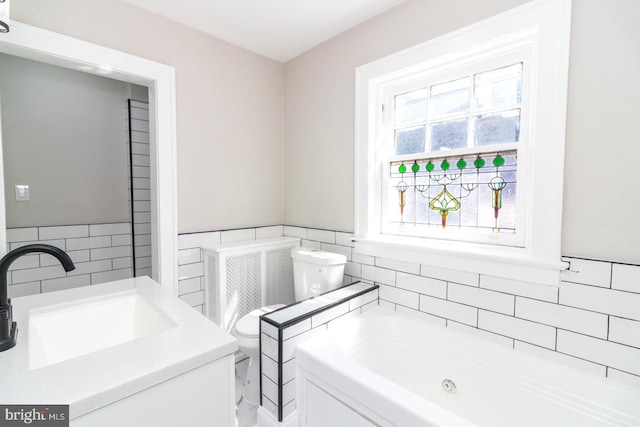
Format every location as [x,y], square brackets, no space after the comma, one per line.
[415,168]
[474,191]
[444,203]
[402,189]
[430,166]
[496,184]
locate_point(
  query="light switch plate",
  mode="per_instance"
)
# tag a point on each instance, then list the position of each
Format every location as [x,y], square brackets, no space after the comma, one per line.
[22,193]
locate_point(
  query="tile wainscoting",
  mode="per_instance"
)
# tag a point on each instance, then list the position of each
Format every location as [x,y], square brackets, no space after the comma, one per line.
[283,330]
[191,258]
[100,252]
[591,322]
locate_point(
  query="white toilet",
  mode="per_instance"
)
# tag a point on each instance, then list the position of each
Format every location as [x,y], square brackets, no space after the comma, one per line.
[314,272]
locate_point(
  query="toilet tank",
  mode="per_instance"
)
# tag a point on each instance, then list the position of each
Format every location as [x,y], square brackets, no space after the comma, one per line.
[315,272]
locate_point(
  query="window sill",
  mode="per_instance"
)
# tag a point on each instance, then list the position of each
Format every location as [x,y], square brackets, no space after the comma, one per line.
[499,261]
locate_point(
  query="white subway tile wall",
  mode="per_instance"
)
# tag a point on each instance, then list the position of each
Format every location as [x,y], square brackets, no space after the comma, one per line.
[238,235]
[591,322]
[293,335]
[602,300]
[597,304]
[327,315]
[323,236]
[449,310]
[267,232]
[191,258]
[138,144]
[191,266]
[626,278]
[595,273]
[100,252]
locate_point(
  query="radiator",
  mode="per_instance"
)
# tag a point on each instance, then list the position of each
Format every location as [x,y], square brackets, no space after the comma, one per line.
[243,276]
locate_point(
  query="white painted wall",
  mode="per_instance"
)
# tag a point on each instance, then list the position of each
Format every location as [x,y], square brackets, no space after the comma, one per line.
[229,108]
[231,122]
[602,196]
[64,135]
[319,103]
[601,174]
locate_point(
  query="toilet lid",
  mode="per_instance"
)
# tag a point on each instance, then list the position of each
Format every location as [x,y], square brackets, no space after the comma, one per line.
[249,324]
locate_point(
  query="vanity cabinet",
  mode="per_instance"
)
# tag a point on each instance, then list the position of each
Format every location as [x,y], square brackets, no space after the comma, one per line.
[178,372]
[198,398]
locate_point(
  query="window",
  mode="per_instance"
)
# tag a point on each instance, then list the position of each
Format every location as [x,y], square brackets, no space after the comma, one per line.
[460,147]
[450,152]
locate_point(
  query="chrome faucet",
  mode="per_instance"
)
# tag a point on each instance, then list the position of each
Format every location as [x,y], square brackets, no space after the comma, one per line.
[9,328]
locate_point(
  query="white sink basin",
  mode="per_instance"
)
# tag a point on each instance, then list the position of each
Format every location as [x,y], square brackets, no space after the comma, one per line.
[66,331]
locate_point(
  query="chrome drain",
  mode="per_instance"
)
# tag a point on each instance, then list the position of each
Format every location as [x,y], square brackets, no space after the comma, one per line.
[449,386]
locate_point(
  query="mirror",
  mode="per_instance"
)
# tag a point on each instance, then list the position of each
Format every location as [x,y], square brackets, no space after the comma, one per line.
[76,173]
[28,42]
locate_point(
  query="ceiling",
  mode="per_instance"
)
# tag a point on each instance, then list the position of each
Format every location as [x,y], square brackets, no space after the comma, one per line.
[278,29]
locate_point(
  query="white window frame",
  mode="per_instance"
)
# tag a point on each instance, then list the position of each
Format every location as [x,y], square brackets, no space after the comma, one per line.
[505,55]
[543,28]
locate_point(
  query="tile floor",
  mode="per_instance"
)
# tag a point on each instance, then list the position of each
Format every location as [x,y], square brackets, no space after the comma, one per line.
[241,375]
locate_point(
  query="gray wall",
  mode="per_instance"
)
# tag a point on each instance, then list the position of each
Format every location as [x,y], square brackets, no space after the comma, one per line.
[601,175]
[229,108]
[64,134]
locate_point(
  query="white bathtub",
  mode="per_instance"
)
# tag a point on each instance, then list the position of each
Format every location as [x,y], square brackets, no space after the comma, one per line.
[390,369]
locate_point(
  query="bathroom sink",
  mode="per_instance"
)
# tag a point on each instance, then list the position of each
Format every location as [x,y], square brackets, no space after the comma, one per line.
[65,331]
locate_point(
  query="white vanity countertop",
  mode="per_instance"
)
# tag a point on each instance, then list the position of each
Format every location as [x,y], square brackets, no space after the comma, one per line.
[97,379]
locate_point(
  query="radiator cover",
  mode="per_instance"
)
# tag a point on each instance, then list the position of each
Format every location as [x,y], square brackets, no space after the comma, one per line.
[243,276]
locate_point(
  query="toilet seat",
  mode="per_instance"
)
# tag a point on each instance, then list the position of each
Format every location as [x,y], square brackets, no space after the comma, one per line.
[249,325]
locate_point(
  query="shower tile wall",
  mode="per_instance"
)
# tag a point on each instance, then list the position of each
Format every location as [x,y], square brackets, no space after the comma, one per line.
[100,252]
[140,182]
